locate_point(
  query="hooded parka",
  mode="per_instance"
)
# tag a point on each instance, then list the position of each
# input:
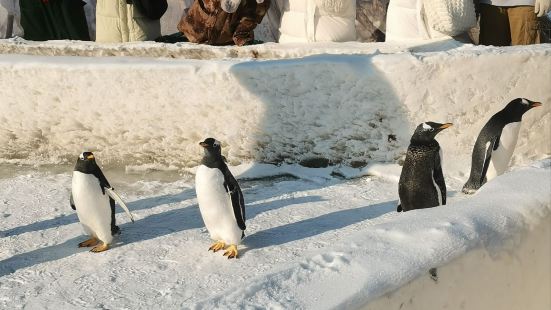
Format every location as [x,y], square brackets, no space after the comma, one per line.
[120,21]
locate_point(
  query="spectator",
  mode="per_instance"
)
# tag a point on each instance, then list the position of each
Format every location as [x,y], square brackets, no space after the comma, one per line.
[510,22]
[318,21]
[121,21]
[53,20]
[209,22]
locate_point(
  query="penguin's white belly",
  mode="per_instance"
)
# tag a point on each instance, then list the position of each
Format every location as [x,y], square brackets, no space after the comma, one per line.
[93,208]
[502,156]
[215,205]
[437,188]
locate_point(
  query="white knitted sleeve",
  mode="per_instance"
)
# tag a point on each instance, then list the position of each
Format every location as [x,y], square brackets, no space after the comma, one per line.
[450,17]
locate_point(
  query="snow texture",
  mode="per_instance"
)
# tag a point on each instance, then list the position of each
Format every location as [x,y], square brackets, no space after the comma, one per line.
[355,105]
[361,108]
[306,241]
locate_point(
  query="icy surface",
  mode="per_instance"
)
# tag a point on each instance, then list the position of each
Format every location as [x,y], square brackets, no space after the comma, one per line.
[306,241]
[357,109]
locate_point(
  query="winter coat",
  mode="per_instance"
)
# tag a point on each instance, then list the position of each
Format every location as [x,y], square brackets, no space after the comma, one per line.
[318,21]
[53,20]
[206,22]
[117,21]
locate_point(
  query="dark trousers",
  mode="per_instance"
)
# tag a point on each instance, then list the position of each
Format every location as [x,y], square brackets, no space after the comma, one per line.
[503,26]
[54,20]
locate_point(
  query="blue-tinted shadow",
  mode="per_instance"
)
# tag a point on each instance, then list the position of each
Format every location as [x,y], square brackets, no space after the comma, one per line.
[318,225]
[146,203]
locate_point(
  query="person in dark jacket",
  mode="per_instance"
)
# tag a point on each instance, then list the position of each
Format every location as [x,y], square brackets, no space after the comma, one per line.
[54,20]
[210,23]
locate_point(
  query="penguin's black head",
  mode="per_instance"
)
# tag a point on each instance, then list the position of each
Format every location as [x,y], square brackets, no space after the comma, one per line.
[426,132]
[86,162]
[211,146]
[86,156]
[516,108]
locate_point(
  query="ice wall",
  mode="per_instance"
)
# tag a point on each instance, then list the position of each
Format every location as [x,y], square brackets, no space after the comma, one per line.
[348,109]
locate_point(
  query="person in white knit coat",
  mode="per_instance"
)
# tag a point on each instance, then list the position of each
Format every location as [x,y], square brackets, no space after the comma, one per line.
[510,22]
[118,21]
[317,20]
[428,19]
[406,21]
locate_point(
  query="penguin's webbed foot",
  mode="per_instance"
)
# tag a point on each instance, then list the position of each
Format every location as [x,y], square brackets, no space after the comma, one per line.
[217,246]
[468,191]
[231,252]
[100,248]
[88,243]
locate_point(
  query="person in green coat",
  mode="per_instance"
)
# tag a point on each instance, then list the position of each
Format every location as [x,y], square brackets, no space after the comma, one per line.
[53,20]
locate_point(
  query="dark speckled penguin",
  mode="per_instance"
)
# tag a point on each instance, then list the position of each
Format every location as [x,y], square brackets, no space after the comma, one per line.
[421,181]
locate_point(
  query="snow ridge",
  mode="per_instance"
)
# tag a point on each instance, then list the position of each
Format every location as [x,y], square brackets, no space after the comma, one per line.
[388,255]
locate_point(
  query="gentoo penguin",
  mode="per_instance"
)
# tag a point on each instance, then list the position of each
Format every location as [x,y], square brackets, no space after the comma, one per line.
[94,200]
[495,144]
[421,182]
[220,200]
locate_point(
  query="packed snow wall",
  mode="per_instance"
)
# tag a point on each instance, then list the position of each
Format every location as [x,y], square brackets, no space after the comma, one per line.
[343,109]
[516,278]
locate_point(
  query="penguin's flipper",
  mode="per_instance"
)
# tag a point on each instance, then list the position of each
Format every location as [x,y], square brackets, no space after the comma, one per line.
[237,200]
[490,146]
[103,183]
[119,200]
[438,177]
[72,202]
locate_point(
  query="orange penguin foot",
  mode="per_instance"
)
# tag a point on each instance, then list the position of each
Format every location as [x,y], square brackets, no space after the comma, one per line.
[218,245]
[100,248]
[88,243]
[231,252]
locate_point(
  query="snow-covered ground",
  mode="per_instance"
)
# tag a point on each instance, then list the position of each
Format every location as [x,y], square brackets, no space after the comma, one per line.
[317,238]
[313,243]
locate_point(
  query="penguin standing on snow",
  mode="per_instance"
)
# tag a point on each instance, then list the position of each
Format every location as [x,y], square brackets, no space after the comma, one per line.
[495,144]
[220,200]
[94,200]
[422,181]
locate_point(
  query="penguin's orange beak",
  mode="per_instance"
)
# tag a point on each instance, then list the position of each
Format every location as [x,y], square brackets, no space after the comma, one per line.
[446,125]
[535,104]
[203,144]
[90,156]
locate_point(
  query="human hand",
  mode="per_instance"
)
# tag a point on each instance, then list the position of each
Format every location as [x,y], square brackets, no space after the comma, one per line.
[541,7]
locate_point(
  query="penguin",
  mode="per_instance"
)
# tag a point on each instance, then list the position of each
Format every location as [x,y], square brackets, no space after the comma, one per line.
[422,182]
[94,200]
[220,199]
[495,144]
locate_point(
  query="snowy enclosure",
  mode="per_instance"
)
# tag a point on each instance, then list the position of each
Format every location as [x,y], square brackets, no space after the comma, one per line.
[324,238]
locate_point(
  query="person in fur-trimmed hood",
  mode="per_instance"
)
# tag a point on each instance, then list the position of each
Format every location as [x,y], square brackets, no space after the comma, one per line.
[223,22]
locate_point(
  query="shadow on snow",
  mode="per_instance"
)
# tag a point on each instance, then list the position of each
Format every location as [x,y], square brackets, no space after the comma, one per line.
[318,225]
[150,227]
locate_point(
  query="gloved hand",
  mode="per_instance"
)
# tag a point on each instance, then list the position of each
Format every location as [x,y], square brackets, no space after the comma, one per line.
[541,7]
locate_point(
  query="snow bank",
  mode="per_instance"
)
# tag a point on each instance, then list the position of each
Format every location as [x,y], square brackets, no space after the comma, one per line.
[385,256]
[360,108]
[519,278]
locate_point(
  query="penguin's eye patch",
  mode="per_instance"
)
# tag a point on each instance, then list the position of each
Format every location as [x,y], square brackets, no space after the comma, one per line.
[81,156]
[524,101]
[427,127]
[216,144]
